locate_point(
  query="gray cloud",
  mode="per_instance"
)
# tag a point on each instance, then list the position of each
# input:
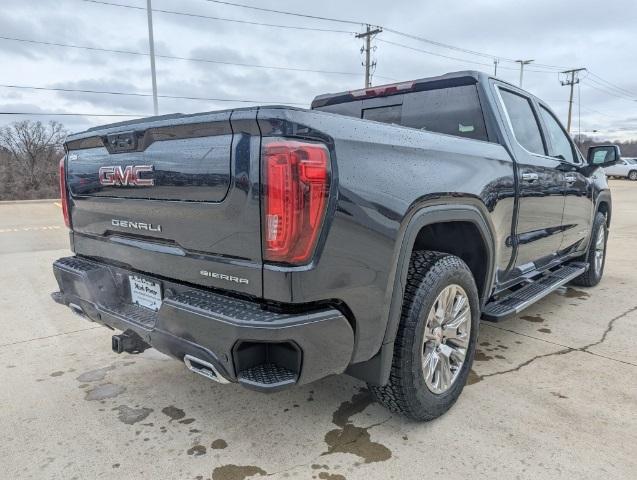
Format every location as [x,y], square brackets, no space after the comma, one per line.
[570,34]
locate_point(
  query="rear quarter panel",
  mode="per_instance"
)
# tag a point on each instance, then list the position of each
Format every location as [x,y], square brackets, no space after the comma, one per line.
[384,174]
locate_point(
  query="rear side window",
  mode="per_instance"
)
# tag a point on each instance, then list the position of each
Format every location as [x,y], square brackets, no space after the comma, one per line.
[454,111]
[523,122]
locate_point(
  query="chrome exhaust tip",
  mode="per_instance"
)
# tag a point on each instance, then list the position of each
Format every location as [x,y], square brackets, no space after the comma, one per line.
[204,368]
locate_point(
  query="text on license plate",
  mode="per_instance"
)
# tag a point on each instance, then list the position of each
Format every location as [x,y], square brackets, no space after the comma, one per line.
[144,292]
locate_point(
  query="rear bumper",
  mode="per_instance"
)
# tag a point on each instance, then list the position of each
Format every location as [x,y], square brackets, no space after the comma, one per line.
[245,343]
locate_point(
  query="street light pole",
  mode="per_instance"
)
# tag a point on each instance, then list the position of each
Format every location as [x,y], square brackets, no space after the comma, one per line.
[151,41]
[522,63]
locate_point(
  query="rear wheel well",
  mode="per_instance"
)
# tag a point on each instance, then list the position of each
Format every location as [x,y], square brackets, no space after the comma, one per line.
[462,239]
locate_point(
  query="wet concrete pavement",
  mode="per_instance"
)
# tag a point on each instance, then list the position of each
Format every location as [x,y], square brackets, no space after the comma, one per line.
[552,394]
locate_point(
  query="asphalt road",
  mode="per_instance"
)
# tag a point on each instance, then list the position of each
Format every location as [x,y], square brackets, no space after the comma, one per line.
[553,392]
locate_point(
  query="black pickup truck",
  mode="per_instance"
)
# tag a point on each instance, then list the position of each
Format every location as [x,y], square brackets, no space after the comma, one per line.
[274,246]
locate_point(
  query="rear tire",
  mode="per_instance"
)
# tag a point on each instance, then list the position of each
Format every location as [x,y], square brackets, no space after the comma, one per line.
[595,255]
[440,293]
[632,175]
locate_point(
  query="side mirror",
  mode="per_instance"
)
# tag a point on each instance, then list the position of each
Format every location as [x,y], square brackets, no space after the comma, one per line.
[603,155]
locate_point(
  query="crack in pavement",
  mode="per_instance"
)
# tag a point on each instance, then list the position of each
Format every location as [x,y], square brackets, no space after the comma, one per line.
[566,349]
[48,336]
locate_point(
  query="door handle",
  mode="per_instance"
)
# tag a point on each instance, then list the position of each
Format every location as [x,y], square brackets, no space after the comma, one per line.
[530,177]
[570,179]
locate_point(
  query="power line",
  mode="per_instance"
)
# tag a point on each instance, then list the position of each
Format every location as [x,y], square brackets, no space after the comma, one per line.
[613,86]
[600,87]
[464,60]
[283,12]
[136,94]
[209,17]
[55,114]
[188,59]
[394,31]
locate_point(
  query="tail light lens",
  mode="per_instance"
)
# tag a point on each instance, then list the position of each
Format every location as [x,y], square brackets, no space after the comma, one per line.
[296,182]
[64,197]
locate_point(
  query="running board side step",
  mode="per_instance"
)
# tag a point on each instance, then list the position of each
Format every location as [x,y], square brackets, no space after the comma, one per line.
[536,289]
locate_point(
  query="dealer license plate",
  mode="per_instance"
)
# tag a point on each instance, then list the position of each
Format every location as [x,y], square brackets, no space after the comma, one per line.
[144,292]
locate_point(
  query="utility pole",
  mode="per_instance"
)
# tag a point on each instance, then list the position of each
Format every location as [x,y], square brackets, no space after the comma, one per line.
[151,41]
[572,81]
[522,63]
[369,33]
[495,67]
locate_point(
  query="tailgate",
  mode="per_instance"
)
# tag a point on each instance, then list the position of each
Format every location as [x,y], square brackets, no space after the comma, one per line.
[175,197]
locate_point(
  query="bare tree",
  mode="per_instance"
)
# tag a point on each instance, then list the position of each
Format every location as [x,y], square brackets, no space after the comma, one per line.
[33,150]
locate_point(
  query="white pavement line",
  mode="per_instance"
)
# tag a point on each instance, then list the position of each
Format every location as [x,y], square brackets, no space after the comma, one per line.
[49,336]
[29,229]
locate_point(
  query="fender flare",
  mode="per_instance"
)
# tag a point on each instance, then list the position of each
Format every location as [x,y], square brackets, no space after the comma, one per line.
[377,369]
[604,196]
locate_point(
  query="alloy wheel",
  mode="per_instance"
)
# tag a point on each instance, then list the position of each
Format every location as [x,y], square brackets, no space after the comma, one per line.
[446,338]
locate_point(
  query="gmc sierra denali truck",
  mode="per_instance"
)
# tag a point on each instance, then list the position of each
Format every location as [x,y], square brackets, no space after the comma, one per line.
[274,246]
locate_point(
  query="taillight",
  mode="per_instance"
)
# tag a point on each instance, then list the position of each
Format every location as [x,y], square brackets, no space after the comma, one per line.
[296,184]
[64,196]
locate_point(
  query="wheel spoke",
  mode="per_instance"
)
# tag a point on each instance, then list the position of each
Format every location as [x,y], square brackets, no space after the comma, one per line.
[449,299]
[444,369]
[458,354]
[459,341]
[430,365]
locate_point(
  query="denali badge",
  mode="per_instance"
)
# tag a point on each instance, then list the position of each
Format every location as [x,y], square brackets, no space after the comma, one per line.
[126,177]
[136,225]
[223,276]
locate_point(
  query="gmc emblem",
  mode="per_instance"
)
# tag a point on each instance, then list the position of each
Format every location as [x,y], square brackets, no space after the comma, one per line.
[126,177]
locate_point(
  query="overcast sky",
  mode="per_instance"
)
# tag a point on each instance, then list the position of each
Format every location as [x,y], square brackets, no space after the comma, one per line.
[598,35]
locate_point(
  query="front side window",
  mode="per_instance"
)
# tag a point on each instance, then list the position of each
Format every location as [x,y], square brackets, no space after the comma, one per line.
[560,144]
[523,122]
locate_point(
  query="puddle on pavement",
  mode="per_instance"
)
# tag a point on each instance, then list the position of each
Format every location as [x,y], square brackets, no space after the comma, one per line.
[96,375]
[533,318]
[570,292]
[473,377]
[173,412]
[544,330]
[351,439]
[331,476]
[130,415]
[196,450]
[57,374]
[236,472]
[482,357]
[107,390]
[219,444]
